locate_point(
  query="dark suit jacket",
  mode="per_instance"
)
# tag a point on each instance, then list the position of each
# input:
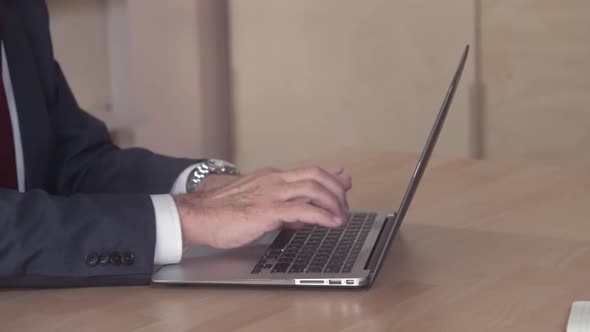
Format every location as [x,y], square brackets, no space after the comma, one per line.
[83,194]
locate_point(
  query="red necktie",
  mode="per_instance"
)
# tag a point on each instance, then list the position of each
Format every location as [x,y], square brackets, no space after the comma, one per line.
[8,175]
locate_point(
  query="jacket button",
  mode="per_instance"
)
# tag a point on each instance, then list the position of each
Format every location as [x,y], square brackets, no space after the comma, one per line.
[115,258]
[103,259]
[128,259]
[92,259]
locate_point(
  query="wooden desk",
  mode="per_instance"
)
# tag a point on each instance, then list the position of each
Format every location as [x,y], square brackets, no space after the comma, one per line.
[485,247]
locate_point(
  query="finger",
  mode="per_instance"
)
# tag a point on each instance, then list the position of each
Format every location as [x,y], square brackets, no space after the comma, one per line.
[339,173]
[301,200]
[329,181]
[298,225]
[293,212]
[346,181]
[295,225]
[315,192]
[336,170]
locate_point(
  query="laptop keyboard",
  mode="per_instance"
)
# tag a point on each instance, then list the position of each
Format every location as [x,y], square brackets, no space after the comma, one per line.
[316,249]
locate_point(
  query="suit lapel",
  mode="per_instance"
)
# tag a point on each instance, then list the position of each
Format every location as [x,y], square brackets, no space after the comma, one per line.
[29,96]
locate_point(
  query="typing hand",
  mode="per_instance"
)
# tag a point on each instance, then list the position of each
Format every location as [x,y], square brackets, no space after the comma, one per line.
[242,208]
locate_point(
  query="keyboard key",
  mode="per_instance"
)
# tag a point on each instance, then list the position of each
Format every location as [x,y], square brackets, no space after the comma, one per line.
[297,269]
[282,239]
[257,269]
[332,269]
[280,268]
[316,249]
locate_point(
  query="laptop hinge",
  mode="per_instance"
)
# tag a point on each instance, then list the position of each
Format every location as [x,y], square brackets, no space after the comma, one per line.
[382,244]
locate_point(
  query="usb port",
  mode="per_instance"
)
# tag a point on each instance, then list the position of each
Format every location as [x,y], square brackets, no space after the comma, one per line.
[335,282]
[350,282]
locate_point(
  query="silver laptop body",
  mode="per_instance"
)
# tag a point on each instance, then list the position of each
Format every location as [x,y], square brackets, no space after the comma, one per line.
[313,256]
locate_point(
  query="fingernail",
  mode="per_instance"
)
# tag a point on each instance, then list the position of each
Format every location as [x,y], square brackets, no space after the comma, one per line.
[337,221]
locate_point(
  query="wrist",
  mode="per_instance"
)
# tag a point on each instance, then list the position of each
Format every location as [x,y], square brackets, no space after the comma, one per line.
[192,220]
[186,211]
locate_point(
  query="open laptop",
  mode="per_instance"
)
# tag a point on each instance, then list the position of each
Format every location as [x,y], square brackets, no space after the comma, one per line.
[313,256]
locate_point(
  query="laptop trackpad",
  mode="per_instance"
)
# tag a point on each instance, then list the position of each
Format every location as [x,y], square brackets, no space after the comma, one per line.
[208,265]
[195,252]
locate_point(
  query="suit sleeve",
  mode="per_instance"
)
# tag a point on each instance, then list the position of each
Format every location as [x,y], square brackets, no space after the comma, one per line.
[87,161]
[83,158]
[80,240]
[92,222]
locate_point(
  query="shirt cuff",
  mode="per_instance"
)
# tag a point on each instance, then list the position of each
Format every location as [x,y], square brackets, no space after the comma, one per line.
[179,186]
[168,231]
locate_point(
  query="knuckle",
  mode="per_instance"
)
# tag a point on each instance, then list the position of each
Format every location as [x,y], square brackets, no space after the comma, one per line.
[312,185]
[316,171]
[299,207]
[322,215]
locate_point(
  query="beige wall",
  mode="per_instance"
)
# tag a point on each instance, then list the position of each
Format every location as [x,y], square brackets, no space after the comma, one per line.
[166,75]
[81,46]
[317,75]
[536,70]
[312,76]
[179,77]
[165,61]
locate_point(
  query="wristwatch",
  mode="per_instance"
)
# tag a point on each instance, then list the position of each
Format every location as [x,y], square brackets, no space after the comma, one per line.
[210,166]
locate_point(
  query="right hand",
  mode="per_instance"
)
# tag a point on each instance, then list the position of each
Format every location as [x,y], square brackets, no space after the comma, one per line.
[241,211]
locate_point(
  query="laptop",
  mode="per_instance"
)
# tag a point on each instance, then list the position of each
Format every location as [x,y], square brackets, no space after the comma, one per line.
[312,256]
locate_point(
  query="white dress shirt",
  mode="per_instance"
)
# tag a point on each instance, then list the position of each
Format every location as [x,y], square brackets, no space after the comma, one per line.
[168,229]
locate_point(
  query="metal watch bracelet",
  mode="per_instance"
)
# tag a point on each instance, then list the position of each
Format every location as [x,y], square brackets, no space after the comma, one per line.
[208,167]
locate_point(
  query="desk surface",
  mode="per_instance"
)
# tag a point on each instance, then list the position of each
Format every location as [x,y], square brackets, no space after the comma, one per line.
[485,247]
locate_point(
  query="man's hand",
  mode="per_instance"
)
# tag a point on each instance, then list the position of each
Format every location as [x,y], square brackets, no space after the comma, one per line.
[214,181]
[232,211]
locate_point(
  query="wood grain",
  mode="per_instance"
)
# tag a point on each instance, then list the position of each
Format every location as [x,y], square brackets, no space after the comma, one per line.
[486,247]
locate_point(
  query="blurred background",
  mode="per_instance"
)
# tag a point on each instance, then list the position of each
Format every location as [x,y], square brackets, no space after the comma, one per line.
[270,82]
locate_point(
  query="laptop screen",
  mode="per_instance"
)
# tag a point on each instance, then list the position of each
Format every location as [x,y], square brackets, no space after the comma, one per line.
[431,142]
